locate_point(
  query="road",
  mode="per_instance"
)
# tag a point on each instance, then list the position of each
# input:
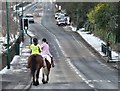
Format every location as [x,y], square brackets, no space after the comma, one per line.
[76,66]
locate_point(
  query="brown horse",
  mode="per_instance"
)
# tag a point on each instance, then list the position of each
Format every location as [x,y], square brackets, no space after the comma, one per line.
[36,63]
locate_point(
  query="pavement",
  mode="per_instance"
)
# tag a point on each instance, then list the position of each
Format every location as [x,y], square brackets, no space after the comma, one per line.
[18,77]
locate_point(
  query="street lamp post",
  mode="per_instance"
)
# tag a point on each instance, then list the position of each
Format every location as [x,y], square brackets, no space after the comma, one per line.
[77,20]
[8,39]
[22,26]
[16,13]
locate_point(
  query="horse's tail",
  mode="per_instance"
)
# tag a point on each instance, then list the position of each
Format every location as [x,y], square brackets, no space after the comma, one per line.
[33,67]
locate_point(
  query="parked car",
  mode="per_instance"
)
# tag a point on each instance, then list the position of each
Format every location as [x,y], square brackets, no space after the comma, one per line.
[61,21]
[57,15]
[67,20]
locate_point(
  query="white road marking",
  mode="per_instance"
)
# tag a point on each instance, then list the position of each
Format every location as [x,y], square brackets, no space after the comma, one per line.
[79,74]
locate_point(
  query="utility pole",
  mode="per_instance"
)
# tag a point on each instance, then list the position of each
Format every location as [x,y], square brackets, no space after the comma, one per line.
[22,25]
[78,26]
[8,38]
[16,13]
[118,28]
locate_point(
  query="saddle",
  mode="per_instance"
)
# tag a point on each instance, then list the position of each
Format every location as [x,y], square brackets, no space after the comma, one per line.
[47,57]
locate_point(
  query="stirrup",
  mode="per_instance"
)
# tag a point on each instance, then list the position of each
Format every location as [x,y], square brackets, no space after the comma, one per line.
[43,66]
[27,66]
[53,65]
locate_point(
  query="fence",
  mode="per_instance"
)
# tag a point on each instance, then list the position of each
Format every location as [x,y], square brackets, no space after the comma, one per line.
[106,50]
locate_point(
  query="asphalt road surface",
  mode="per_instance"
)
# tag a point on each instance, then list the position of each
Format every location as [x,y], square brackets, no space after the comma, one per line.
[76,67]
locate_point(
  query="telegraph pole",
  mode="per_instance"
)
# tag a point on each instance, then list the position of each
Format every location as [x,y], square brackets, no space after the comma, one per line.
[78,26]
[22,24]
[8,38]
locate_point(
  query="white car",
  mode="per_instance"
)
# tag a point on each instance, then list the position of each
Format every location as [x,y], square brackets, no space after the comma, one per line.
[57,15]
[30,18]
[67,20]
[61,21]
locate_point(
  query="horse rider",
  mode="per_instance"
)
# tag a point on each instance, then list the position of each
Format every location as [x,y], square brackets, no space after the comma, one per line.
[46,51]
[35,49]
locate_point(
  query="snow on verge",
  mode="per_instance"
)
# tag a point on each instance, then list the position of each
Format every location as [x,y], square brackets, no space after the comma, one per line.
[95,42]
[5,70]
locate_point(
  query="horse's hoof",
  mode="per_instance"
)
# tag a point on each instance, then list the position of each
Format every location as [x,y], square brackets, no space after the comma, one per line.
[53,65]
[37,83]
[46,81]
[27,66]
[34,83]
[43,82]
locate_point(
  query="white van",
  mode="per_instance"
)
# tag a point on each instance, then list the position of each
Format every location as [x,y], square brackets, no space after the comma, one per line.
[30,18]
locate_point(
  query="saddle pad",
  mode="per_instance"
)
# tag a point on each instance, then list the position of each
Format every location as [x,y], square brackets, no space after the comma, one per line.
[47,57]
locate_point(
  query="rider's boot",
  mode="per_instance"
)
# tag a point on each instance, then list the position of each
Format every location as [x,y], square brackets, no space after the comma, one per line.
[52,62]
[28,65]
[43,63]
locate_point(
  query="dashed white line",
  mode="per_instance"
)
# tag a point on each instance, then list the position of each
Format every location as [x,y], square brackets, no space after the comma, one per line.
[79,74]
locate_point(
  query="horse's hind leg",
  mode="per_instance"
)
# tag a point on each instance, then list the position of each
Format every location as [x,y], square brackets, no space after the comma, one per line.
[47,79]
[34,79]
[43,79]
[37,77]
[48,75]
